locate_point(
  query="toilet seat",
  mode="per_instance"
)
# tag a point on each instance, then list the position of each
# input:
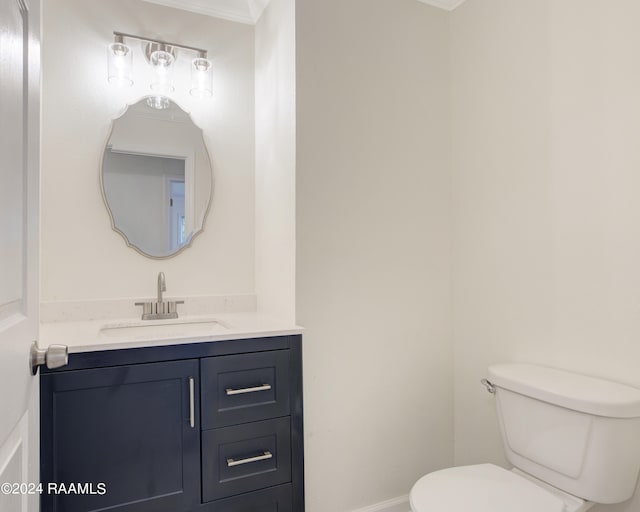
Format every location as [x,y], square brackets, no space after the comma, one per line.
[480,488]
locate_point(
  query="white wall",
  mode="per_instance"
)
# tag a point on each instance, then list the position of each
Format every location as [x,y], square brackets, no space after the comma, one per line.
[275,159]
[372,284]
[546,122]
[82,258]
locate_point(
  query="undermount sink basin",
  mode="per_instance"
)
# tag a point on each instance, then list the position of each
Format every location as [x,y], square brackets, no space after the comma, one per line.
[163,329]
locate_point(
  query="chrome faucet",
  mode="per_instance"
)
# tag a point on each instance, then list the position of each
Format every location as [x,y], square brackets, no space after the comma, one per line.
[160,310]
[162,286]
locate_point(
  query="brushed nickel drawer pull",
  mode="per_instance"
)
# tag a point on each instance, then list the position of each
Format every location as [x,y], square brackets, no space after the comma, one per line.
[263,387]
[233,462]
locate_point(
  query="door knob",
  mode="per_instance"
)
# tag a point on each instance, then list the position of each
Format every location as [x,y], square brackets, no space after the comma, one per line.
[55,356]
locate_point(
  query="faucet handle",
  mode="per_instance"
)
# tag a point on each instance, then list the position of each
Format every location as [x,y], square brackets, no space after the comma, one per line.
[147,308]
[172,307]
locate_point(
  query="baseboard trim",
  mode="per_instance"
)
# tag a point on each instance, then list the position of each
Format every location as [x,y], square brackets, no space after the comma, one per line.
[399,504]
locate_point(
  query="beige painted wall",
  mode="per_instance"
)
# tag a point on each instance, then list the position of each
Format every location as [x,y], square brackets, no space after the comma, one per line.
[275,159]
[82,258]
[372,284]
[546,123]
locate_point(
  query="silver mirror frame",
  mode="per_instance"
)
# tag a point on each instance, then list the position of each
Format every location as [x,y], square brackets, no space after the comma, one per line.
[191,237]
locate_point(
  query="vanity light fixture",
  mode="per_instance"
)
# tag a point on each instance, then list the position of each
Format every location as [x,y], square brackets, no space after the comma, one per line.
[119,63]
[161,56]
[201,77]
[158,102]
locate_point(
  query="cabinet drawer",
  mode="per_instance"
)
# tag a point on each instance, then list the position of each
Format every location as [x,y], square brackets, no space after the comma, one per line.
[245,458]
[274,499]
[246,387]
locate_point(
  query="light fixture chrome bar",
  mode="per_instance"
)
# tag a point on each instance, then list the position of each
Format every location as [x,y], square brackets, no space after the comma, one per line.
[200,51]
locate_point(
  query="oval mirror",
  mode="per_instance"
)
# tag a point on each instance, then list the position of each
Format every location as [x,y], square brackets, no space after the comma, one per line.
[157,180]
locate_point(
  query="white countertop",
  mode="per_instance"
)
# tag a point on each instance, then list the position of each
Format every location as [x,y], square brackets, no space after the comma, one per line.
[96,335]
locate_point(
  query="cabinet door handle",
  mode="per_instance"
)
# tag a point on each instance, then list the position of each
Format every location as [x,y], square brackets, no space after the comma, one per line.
[192,399]
[264,456]
[263,387]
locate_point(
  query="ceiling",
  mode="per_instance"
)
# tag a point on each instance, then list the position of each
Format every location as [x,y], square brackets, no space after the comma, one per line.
[249,11]
[242,11]
[448,5]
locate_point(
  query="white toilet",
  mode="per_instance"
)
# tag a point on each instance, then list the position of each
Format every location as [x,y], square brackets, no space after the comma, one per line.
[574,441]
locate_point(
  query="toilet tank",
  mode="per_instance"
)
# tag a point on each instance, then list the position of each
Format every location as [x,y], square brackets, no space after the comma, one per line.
[580,434]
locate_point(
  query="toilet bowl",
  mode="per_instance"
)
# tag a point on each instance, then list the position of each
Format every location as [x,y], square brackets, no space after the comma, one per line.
[489,488]
[573,439]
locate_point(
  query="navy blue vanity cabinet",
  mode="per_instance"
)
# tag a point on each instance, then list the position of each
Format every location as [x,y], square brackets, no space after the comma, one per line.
[202,427]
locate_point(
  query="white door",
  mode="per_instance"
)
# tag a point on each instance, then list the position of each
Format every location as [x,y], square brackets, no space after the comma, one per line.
[19,211]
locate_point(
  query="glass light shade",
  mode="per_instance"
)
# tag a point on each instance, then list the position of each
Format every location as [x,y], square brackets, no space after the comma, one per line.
[119,64]
[162,63]
[201,78]
[158,102]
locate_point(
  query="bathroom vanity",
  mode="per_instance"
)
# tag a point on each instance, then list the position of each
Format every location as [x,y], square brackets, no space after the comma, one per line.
[168,414]
[204,425]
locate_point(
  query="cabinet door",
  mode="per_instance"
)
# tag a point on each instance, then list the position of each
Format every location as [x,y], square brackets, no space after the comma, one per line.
[132,428]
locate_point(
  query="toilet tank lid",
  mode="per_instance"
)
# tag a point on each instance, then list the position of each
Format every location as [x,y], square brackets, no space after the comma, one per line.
[581,393]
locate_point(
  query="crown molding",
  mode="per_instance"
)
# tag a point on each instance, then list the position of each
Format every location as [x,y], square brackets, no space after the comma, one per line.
[447,5]
[245,11]
[256,8]
[249,11]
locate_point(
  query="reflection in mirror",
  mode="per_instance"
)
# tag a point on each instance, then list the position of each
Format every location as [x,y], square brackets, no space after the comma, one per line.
[156,178]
